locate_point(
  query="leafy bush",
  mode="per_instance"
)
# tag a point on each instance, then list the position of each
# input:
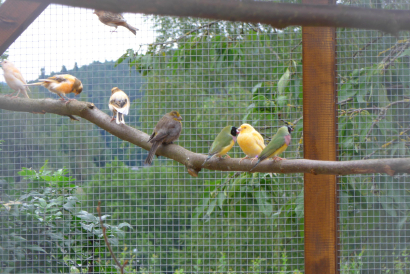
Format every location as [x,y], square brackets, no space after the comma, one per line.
[43,231]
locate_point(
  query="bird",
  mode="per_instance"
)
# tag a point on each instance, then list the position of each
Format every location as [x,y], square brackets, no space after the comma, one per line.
[14,79]
[61,85]
[165,132]
[279,143]
[119,104]
[250,141]
[113,19]
[223,143]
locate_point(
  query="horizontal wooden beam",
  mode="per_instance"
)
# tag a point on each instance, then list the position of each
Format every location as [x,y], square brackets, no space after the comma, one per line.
[15,17]
[279,15]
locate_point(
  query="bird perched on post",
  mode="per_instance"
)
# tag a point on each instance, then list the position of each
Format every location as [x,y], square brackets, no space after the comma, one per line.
[223,143]
[165,132]
[61,85]
[119,104]
[250,141]
[14,79]
[113,19]
[279,143]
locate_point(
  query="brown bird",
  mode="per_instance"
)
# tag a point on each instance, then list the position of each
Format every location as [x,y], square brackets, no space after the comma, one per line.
[113,19]
[165,132]
[61,85]
[119,104]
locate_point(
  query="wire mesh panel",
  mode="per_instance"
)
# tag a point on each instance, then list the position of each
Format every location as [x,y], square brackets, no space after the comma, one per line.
[373,75]
[54,171]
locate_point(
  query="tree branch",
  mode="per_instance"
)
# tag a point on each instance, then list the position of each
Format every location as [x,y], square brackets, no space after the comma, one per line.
[193,161]
[278,15]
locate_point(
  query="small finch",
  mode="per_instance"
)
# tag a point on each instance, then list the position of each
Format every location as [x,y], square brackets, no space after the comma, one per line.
[165,132]
[113,19]
[250,141]
[279,143]
[223,143]
[119,104]
[61,85]
[14,79]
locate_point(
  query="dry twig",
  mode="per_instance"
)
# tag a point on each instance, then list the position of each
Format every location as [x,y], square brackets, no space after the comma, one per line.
[107,243]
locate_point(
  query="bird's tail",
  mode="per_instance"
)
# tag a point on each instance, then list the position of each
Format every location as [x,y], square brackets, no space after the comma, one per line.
[120,118]
[257,163]
[207,159]
[151,153]
[34,84]
[131,28]
[24,91]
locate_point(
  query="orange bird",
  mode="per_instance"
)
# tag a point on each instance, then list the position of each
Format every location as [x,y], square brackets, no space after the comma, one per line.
[14,79]
[250,141]
[113,19]
[61,85]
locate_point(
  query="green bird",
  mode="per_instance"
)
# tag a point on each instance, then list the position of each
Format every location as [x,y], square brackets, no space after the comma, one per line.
[279,143]
[223,143]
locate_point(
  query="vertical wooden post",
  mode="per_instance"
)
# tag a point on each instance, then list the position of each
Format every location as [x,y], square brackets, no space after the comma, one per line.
[319,126]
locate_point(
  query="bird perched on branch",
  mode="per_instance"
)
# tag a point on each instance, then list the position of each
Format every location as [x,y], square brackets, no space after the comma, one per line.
[223,143]
[250,141]
[113,19]
[119,104]
[14,79]
[165,132]
[279,143]
[61,85]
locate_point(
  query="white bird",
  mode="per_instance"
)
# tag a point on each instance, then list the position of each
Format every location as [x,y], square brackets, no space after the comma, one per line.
[119,104]
[14,79]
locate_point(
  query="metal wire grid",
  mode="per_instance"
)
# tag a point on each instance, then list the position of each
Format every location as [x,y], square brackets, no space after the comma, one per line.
[173,224]
[373,209]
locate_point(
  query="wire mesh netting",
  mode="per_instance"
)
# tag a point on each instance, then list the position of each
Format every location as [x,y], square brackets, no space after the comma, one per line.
[161,220]
[53,171]
[373,77]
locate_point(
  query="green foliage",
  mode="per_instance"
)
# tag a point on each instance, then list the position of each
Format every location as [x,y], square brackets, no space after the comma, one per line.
[374,123]
[43,230]
[141,198]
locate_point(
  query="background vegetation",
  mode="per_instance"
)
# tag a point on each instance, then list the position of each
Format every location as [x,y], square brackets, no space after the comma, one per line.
[221,222]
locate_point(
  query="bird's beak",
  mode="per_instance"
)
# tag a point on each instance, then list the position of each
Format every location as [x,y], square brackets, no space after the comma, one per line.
[179,118]
[238,130]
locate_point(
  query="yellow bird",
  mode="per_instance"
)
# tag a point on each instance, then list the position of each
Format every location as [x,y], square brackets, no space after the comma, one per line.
[250,141]
[61,85]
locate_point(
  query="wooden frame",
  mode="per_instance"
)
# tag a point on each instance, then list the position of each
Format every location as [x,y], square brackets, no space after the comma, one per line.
[15,17]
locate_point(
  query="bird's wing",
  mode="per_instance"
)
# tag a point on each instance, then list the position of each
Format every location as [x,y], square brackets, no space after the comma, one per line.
[18,75]
[115,17]
[159,137]
[258,139]
[219,144]
[274,145]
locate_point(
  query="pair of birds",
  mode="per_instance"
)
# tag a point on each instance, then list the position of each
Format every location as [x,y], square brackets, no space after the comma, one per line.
[59,84]
[251,143]
[62,85]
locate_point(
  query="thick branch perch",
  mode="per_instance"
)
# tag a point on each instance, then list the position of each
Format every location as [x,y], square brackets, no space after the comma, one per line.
[278,15]
[193,161]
